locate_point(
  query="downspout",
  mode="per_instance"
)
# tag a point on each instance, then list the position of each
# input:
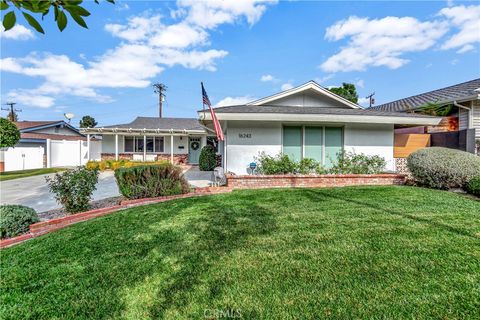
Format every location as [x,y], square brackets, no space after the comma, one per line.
[470,113]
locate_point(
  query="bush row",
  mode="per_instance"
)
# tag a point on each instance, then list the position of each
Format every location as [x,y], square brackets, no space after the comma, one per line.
[116,164]
[15,220]
[346,163]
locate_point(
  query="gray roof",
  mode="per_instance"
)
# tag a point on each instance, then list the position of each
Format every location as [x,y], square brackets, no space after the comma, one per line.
[162,123]
[445,95]
[313,110]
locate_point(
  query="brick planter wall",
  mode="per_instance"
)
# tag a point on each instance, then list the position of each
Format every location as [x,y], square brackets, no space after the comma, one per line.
[312,181]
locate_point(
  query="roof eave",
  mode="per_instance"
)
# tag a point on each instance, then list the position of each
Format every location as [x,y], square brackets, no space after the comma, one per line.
[419,121]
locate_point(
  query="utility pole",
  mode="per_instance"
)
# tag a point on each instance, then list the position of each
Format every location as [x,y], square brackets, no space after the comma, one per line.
[371,100]
[12,115]
[160,88]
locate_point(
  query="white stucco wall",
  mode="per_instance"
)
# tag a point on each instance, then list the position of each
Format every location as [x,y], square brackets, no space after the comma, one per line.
[267,137]
[264,137]
[308,99]
[370,139]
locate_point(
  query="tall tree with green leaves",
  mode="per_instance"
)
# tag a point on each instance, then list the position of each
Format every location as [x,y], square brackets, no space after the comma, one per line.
[88,122]
[42,8]
[347,91]
[9,133]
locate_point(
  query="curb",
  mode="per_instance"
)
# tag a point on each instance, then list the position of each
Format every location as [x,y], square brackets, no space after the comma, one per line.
[44,227]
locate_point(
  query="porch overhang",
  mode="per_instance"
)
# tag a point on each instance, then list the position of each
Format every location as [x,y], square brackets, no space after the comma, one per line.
[135,131]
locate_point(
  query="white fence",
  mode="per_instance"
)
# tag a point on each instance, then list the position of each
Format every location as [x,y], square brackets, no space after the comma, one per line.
[58,153]
[62,153]
[23,158]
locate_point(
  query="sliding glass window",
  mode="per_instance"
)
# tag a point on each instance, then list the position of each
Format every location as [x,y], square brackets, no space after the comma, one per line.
[319,143]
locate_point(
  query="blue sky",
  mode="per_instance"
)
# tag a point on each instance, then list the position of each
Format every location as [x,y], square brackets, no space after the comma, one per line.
[241,50]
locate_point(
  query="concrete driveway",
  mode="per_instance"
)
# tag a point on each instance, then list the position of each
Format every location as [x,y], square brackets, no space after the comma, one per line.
[33,191]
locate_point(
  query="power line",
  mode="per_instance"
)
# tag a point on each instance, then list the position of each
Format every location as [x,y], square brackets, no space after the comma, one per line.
[12,115]
[160,88]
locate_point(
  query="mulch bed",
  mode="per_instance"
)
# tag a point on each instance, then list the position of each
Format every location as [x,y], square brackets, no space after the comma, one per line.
[58,213]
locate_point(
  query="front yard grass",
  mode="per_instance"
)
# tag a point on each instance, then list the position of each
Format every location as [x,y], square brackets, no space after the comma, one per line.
[344,253]
[10,175]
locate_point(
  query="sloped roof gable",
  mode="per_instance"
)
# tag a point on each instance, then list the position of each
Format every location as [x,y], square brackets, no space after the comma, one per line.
[309,90]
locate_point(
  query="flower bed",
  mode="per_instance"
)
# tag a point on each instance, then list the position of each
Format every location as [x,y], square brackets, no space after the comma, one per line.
[313,181]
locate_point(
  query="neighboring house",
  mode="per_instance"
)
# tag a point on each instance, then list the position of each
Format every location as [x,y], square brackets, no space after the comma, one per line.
[308,121]
[48,144]
[150,138]
[465,98]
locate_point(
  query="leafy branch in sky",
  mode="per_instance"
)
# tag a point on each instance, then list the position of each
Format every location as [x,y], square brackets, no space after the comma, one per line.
[43,7]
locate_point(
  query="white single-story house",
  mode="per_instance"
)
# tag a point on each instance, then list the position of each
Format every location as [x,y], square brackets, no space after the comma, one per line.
[308,121]
[179,140]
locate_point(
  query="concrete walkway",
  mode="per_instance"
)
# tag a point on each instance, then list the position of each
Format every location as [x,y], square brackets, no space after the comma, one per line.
[33,191]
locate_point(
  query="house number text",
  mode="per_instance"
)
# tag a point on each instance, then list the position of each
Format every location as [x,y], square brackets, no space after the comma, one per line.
[245,135]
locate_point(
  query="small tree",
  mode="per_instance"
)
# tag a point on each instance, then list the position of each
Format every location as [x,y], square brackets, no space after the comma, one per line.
[88,122]
[208,158]
[9,133]
[347,91]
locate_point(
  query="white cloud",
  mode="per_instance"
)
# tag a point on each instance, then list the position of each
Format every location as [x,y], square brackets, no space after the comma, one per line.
[233,101]
[210,14]
[267,78]
[148,47]
[324,78]
[18,32]
[379,42]
[360,83]
[286,86]
[364,102]
[467,20]
[26,97]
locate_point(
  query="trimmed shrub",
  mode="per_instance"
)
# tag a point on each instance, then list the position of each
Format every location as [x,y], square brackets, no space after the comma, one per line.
[443,168]
[280,164]
[473,186]
[73,188]
[121,163]
[353,163]
[151,181]
[15,220]
[308,165]
[208,158]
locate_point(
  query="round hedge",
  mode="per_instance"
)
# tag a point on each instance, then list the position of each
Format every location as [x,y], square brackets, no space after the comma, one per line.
[473,186]
[443,168]
[208,158]
[15,220]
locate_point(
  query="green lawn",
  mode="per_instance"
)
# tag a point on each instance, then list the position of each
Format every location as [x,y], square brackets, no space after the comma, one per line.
[345,253]
[9,175]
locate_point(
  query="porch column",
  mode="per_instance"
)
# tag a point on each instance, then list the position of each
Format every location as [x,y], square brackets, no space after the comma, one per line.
[116,146]
[144,148]
[171,148]
[88,146]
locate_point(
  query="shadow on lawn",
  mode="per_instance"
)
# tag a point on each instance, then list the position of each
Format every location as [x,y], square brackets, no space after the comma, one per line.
[314,194]
[217,232]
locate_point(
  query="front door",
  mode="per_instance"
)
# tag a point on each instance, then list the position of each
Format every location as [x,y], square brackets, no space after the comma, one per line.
[193,150]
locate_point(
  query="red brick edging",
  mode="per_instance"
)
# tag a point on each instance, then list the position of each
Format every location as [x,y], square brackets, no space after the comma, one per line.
[40,228]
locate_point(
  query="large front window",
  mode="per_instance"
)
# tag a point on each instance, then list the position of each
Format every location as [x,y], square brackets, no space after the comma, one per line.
[136,144]
[319,143]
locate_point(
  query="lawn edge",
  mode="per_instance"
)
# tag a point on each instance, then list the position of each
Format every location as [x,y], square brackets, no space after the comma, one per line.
[44,227]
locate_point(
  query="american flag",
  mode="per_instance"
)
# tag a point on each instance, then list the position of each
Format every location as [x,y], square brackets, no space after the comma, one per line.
[216,123]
